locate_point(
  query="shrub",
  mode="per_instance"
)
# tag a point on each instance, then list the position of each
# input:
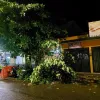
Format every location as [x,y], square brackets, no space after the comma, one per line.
[24,72]
[19,73]
[0,68]
[52,69]
[69,58]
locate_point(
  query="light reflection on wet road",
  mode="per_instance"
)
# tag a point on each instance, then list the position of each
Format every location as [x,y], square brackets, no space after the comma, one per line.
[18,90]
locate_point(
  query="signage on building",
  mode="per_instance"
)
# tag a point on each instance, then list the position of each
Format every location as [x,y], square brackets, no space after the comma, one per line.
[94,28]
[75,44]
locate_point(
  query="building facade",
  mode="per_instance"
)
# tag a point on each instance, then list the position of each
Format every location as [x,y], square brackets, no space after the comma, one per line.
[85,49]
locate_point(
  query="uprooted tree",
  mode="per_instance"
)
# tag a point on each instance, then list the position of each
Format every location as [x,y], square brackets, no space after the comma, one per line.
[24,26]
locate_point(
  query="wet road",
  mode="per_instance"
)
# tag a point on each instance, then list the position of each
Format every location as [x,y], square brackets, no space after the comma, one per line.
[18,90]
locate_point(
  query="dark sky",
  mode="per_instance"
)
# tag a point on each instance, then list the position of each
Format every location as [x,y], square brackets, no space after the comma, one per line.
[81,11]
[73,10]
[63,11]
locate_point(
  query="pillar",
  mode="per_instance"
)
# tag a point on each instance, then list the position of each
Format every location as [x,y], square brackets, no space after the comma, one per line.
[91,60]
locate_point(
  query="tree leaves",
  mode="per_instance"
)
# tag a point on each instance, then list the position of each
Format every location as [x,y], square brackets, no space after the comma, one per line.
[24,27]
[49,70]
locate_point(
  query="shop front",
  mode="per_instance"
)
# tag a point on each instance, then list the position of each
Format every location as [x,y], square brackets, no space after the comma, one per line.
[86,53]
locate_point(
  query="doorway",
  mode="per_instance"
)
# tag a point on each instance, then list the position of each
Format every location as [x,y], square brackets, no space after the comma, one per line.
[81,57]
[96,59]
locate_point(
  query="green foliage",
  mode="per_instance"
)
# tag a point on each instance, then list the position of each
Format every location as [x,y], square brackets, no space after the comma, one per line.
[52,69]
[44,50]
[23,27]
[23,73]
[69,58]
[0,67]
[19,73]
[49,44]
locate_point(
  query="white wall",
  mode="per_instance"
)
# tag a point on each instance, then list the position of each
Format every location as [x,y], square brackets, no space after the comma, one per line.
[20,60]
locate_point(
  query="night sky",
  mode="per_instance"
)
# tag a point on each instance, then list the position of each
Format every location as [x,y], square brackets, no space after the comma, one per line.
[81,12]
[64,11]
[73,10]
